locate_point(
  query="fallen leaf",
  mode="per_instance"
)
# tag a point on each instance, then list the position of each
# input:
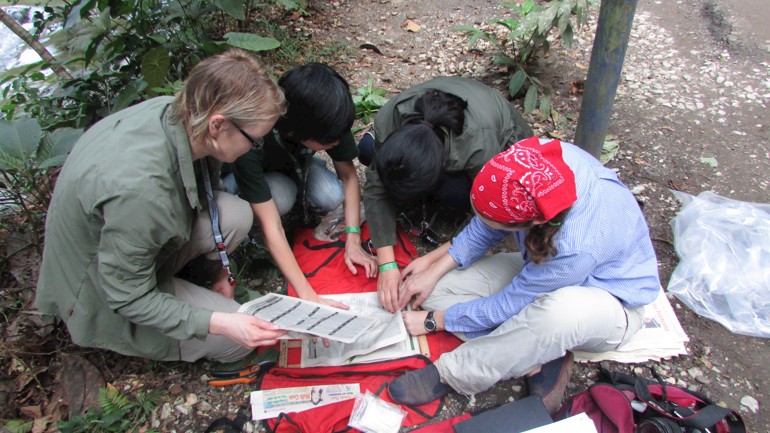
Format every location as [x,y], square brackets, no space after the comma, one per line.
[609,150]
[556,135]
[81,382]
[412,26]
[710,161]
[41,425]
[31,411]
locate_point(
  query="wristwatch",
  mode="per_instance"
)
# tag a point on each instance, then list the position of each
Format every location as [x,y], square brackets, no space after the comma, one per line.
[430,322]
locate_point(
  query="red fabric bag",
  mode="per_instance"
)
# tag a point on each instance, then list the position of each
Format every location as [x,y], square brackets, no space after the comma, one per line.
[622,403]
[323,264]
[334,417]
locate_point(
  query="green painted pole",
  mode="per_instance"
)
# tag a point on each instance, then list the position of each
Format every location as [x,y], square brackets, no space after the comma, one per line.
[607,55]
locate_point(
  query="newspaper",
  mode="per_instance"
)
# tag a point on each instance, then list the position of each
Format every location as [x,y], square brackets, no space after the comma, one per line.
[386,339]
[661,337]
[307,317]
[273,402]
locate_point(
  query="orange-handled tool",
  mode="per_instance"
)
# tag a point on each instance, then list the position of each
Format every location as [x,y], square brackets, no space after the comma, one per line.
[248,374]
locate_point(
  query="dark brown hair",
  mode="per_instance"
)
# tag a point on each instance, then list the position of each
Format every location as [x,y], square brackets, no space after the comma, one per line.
[539,240]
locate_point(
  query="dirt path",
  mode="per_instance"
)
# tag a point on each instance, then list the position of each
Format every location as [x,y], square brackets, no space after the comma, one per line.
[696,85]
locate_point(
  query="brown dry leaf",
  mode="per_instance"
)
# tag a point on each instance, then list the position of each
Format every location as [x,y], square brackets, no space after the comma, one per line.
[24,375]
[31,411]
[81,382]
[40,425]
[412,26]
[706,362]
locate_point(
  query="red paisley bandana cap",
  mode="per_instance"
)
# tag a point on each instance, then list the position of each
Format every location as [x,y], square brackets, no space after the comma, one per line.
[526,182]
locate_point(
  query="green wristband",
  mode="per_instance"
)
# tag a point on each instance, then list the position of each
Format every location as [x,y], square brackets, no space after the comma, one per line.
[388,266]
[352,229]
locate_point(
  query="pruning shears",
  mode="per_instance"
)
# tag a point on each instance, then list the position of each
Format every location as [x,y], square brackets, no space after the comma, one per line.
[248,374]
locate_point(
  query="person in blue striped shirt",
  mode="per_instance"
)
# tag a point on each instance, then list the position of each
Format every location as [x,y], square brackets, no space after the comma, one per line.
[585,270]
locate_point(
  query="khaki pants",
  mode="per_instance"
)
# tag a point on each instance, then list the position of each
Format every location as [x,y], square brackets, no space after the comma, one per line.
[573,317]
[235,219]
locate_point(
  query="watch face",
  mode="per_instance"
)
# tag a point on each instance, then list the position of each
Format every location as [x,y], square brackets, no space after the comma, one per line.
[430,326]
[430,323]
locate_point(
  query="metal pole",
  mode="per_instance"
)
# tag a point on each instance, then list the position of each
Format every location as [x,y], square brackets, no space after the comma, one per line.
[609,50]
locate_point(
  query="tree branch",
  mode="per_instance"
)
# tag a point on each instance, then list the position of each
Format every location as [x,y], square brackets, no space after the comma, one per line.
[41,50]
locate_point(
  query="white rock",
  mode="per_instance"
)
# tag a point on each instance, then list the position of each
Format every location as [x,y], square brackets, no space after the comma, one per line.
[750,403]
[165,411]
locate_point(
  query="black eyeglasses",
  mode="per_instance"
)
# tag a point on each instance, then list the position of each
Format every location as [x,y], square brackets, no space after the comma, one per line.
[256,143]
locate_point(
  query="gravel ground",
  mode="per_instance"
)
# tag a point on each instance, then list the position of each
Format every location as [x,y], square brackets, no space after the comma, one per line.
[687,93]
[693,87]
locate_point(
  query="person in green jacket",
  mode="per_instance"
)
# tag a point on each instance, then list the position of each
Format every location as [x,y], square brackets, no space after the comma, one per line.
[129,211]
[430,140]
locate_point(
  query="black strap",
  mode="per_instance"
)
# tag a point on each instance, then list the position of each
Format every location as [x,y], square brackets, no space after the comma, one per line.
[705,417]
[215,227]
[225,425]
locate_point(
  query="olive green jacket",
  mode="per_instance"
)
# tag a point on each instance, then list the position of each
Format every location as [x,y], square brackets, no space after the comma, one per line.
[491,124]
[124,203]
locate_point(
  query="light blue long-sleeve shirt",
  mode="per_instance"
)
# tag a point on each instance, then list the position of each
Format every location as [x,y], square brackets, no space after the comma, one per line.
[604,242]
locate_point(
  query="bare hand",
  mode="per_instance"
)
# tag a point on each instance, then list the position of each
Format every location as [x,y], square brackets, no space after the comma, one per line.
[417,285]
[414,321]
[246,330]
[417,265]
[327,301]
[355,255]
[387,289]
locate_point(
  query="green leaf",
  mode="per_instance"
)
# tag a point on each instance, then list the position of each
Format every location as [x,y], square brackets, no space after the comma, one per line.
[129,94]
[56,146]
[609,150]
[19,139]
[527,7]
[234,8]
[377,100]
[568,37]
[517,80]
[545,107]
[710,161]
[155,66]
[79,11]
[505,60]
[530,100]
[564,15]
[465,29]
[18,426]
[287,4]
[545,21]
[251,42]
[581,12]
[475,38]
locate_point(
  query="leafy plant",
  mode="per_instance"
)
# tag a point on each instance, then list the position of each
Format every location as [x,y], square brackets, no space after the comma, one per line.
[368,100]
[116,413]
[123,51]
[18,426]
[27,157]
[520,37]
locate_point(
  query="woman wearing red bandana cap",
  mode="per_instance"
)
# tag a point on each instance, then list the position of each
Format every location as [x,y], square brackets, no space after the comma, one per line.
[586,270]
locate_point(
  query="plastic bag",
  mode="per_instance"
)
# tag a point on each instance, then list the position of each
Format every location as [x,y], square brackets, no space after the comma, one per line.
[724,268]
[374,415]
